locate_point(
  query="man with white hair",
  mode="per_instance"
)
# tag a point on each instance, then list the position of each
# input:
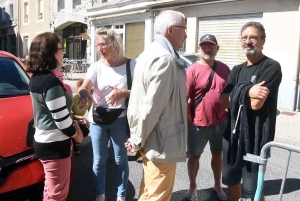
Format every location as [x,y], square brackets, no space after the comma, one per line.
[157,112]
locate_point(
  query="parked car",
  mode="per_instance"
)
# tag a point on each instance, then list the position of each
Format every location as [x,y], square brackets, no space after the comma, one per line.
[187,59]
[21,173]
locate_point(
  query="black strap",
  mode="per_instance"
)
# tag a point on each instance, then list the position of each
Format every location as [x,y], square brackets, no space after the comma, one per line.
[129,81]
[211,77]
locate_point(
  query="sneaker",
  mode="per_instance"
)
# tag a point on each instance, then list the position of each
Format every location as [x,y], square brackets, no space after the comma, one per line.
[121,198]
[100,198]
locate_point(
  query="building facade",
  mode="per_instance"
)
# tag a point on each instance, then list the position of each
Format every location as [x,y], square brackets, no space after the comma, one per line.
[34,18]
[69,21]
[9,26]
[223,18]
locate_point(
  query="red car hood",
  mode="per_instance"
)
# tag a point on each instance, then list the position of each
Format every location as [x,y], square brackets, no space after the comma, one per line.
[15,114]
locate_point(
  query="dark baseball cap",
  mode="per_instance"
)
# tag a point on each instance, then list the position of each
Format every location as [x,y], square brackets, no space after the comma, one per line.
[208,38]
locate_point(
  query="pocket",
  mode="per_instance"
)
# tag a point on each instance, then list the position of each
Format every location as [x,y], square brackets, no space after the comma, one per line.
[173,140]
[172,130]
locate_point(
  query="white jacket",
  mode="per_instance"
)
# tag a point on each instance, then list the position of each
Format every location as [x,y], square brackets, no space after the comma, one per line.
[157,107]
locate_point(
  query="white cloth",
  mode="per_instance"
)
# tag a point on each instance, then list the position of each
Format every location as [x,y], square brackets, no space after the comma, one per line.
[102,77]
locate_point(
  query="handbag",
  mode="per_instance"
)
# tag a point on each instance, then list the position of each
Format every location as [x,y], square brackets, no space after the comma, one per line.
[191,111]
[106,116]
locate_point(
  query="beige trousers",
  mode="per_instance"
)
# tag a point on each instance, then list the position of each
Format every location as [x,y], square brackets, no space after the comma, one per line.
[158,180]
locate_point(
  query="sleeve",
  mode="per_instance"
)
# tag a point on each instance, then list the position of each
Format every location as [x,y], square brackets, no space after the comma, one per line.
[56,102]
[92,72]
[271,74]
[190,85]
[231,81]
[160,87]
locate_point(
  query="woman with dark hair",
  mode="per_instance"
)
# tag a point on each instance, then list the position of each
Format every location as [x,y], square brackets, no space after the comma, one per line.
[52,118]
[109,78]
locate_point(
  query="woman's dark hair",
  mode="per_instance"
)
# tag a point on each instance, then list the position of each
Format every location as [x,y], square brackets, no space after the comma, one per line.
[42,53]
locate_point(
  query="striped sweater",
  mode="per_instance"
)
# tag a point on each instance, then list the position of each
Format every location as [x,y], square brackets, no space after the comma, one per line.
[54,125]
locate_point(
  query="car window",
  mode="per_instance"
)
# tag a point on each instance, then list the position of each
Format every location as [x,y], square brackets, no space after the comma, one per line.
[13,79]
[183,63]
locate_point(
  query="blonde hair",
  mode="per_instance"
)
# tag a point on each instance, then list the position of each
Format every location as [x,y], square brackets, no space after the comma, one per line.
[115,41]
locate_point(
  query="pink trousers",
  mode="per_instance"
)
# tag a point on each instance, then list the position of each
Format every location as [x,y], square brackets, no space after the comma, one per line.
[57,179]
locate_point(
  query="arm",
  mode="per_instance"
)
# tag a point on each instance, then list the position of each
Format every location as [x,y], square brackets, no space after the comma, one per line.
[83,92]
[56,104]
[225,100]
[268,83]
[258,95]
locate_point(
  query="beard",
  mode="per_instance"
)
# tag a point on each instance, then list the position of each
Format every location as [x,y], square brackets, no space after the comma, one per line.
[251,52]
[208,57]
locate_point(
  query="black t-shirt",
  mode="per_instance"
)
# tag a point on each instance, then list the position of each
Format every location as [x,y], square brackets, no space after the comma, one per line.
[267,70]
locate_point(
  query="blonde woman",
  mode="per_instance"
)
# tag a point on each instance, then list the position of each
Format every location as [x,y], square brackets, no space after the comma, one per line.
[108,78]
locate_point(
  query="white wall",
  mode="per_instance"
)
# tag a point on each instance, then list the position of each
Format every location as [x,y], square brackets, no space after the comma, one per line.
[282,44]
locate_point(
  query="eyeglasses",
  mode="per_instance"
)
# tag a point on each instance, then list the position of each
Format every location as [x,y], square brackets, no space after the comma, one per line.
[183,27]
[210,46]
[61,48]
[253,39]
[103,45]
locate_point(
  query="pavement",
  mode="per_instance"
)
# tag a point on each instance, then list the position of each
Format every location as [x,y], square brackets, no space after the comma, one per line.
[287,131]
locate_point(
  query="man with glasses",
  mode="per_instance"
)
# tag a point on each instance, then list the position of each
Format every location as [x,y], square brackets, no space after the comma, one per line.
[263,75]
[157,113]
[206,80]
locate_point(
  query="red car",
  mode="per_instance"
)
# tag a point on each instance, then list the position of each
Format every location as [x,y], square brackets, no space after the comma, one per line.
[21,173]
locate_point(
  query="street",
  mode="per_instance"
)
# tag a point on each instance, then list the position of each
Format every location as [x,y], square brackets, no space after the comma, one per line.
[287,131]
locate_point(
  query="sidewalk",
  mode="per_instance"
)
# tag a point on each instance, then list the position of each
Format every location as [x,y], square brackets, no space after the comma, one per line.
[287,126]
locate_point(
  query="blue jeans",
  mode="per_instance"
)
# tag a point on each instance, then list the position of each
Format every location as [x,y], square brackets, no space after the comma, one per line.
[117,133]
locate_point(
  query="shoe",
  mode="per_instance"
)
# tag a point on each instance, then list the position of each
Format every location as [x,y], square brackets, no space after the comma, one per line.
[121,198]
[221,196]
[100,198]
[191,197]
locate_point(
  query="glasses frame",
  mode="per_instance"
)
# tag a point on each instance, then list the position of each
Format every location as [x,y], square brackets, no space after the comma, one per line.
[61,48]
[253,39]
[103,45]
[210,46]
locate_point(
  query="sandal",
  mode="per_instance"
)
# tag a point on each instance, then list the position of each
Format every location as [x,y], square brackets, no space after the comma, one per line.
[191,197]
[221,196]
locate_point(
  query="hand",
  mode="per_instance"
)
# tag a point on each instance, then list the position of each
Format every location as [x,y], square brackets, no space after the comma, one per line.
[84,98]
[129,146]
[86,122]
[116,96]
[79,136]
[258,91]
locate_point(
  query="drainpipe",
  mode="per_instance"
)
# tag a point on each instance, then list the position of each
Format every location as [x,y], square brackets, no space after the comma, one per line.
[297,92]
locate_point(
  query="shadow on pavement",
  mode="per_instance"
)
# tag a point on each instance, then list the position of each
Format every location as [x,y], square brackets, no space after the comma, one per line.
[272,187]
[82,187]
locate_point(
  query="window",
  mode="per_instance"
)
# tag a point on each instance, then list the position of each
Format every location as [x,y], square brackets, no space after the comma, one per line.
[76,3]
[26,45]
[61,4]
[11,11]
[40,6]
[3,15]
[26,12]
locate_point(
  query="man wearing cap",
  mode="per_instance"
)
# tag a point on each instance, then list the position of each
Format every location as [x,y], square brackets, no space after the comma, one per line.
[205,82]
